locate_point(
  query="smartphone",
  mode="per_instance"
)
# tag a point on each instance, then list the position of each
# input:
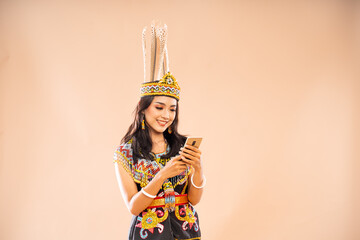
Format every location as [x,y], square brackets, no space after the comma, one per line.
[193,141]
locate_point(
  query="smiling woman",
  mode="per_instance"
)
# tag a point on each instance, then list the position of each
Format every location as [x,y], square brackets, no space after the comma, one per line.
[155,123]
[160,114]
[152,165]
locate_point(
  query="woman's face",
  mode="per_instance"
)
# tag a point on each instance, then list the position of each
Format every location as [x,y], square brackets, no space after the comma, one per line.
[160,114]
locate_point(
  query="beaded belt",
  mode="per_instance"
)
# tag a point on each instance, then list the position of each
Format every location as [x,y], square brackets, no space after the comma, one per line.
[160,201]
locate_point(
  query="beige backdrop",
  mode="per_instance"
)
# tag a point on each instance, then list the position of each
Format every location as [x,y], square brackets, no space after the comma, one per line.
[270,85]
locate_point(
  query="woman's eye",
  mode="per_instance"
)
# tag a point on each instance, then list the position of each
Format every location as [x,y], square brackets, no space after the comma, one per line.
[173,110]
[159,108]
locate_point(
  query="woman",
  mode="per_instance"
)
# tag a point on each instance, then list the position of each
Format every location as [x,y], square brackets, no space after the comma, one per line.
[159,178]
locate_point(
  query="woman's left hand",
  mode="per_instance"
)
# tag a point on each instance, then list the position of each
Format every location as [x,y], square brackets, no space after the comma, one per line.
[191,155]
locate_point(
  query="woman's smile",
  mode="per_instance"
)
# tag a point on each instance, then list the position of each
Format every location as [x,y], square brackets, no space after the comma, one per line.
[162,123]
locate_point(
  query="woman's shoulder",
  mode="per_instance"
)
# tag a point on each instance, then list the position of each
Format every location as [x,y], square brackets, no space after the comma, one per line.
[124,150]
[125,145]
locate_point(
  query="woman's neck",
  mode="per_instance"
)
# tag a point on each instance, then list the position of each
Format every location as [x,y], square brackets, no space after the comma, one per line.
[157,138]
[158,142]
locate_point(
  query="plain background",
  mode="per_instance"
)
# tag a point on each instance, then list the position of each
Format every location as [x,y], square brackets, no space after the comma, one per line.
[272,86]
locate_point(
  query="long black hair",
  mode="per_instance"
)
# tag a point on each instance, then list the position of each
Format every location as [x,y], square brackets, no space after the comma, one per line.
[141,140]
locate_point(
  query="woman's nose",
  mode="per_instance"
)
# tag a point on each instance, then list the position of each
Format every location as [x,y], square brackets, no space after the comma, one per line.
[166,114]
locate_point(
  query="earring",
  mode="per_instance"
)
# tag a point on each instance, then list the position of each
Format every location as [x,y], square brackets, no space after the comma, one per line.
[169,130]
[143,124]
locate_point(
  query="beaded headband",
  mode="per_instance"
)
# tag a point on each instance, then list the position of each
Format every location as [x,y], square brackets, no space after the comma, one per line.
[158,65]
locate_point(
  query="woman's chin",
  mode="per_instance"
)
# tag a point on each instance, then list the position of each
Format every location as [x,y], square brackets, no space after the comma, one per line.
[159,130]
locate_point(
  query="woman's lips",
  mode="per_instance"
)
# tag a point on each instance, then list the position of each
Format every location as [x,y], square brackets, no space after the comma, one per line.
[162,123]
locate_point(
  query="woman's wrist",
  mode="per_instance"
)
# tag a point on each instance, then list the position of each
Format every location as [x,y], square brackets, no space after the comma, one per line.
[160,175]
[200,177]
[198,171]
[198,186]
[147,194]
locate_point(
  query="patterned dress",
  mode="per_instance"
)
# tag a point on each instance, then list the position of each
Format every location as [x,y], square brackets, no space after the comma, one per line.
[159,222]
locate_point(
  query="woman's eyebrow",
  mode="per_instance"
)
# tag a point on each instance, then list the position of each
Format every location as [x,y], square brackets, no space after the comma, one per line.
[165,104]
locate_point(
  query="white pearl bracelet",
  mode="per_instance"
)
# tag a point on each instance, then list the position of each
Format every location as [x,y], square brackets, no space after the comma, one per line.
[204,181]
[147,194]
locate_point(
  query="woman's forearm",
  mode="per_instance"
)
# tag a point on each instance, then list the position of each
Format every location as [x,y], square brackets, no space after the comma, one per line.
[194,194]
[139,202]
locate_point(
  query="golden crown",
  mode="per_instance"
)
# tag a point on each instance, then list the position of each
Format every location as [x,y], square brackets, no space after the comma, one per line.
[167,86]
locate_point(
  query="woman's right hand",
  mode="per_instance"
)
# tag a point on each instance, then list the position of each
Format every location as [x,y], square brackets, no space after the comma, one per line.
[174,167]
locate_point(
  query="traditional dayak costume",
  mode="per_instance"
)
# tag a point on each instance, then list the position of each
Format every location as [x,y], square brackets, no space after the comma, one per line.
[170,215]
